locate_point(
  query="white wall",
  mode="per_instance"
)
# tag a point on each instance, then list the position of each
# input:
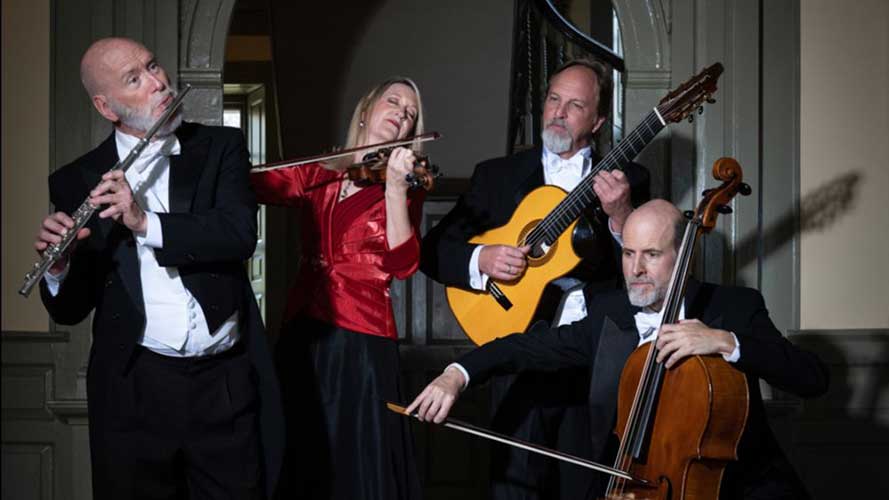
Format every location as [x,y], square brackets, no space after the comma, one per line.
[844,115]
[25,108]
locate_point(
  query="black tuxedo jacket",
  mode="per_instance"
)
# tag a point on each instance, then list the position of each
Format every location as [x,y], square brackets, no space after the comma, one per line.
[496,189]
[606,337]
[208,234]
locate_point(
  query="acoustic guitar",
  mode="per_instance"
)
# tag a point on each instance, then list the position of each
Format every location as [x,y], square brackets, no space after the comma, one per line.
[546,217]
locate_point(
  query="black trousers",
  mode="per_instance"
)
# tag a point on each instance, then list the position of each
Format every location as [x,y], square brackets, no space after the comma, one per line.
[180,428]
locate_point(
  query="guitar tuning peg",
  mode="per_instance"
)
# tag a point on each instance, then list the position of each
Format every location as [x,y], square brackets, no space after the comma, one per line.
[688,214]
[745,189]
[724,209]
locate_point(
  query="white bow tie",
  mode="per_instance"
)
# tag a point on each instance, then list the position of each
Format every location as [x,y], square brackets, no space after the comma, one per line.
[575,163]
[167,146]
[645,320]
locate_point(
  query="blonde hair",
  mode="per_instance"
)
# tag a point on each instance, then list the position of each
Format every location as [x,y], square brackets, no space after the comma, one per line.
[357,131]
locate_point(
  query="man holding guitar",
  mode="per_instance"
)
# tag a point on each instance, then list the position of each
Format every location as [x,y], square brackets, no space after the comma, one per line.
[543,407]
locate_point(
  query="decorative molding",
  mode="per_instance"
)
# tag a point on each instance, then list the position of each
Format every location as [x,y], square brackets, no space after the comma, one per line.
[667,9]
[70,411]
[201,77]
[38,481]
[34,336]
[203,30]
[27,387]
[645,28]
[653,79]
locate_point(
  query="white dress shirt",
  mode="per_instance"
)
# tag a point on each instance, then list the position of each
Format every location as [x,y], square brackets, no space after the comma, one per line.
[175,324]
[565,174]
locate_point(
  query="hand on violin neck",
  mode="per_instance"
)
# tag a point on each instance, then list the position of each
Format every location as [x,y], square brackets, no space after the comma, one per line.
[400,164]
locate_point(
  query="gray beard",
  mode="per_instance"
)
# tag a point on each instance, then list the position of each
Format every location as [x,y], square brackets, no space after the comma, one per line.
[556,142]
[641,298]
[140,118]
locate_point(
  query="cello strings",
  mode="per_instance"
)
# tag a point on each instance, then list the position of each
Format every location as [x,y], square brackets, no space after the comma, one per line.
[669,314]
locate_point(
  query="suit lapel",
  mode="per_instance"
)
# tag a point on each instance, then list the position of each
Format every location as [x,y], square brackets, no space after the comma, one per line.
[530,173]
[106,157]
[617,341]
[697,303]
[185,170]
[118,239]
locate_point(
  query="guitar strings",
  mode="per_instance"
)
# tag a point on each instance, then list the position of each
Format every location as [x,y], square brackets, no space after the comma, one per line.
[570,207]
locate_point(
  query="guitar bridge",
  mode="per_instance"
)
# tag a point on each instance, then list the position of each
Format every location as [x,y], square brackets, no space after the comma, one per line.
[499,296]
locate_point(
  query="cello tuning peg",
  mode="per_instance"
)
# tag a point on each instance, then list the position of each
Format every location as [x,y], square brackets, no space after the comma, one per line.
[745,189]
[688,214]
[701,110]
[724,209]
[691,117]
[710,100]
[706,192]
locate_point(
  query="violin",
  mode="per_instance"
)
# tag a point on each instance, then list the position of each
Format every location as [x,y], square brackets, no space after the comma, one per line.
[372,170]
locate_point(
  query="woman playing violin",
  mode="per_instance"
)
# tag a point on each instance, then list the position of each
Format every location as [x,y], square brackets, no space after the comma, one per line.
[337,354]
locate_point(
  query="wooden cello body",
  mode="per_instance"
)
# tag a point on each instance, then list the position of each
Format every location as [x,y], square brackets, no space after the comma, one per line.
[680,427]
[698,424]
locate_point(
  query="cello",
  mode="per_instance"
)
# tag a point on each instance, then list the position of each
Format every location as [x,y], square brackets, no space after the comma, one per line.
[678,428]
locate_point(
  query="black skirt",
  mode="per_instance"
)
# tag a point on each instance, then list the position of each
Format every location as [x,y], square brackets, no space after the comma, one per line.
[342,441]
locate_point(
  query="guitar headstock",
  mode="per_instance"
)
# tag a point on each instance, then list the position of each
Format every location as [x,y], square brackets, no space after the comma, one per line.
[691,95]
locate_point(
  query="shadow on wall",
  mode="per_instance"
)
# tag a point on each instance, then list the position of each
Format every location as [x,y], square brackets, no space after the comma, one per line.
[819,210]
[845,433]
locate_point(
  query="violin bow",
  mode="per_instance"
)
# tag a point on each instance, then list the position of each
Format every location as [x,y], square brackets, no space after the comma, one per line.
[428,136]
[517,443]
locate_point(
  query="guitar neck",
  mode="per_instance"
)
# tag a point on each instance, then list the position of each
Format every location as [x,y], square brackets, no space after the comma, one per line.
[583,195]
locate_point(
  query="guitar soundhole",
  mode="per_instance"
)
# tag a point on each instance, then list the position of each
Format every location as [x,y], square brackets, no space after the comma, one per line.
[539,252]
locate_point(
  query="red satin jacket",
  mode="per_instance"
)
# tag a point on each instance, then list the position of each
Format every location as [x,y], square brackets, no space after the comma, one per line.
[346,265]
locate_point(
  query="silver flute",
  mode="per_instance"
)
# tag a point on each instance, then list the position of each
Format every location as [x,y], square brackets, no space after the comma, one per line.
[83,213]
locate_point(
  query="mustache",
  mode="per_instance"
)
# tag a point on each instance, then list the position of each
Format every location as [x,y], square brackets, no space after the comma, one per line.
[557,121]
[159,97]
[641,282]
